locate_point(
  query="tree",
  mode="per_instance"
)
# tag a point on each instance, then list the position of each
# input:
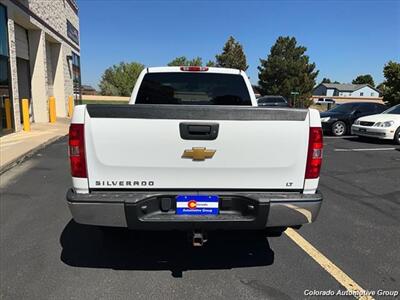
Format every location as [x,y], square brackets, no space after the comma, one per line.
[364,79]
[119,80]
[391,92]
[232,56]
[211,63]
[179,61]
[183,61]
[381,87]
[287,69]
[326,80]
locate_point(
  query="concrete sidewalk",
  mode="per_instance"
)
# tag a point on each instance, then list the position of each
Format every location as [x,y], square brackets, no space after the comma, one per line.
[16,146]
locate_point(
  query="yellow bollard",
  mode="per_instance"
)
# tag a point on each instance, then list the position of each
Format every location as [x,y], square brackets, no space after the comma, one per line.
[7,107]
[52,109]
[25,115]
[70,106]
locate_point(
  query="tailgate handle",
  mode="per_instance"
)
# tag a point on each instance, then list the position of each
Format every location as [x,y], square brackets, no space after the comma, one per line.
[199,131]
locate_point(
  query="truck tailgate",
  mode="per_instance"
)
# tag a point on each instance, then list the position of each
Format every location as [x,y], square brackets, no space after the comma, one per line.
[140,146]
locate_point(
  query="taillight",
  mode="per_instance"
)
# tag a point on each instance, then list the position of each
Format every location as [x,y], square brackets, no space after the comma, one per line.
[194,68]
[314,157]
[77,150]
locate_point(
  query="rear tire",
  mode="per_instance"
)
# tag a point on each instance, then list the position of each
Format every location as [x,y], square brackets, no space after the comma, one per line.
[339,128]
[396,138]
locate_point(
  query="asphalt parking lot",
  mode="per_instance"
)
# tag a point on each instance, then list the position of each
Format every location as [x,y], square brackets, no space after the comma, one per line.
[356,240]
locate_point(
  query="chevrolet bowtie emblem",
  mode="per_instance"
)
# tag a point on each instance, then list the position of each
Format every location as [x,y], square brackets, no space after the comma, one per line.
[198,153]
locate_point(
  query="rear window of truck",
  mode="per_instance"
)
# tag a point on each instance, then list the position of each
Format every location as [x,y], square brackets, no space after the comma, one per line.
[193,88]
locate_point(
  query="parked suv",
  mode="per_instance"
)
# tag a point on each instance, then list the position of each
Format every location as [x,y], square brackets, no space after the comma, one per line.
[339,119]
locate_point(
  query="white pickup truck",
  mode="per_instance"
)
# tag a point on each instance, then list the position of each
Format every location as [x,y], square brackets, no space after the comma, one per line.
[192,151]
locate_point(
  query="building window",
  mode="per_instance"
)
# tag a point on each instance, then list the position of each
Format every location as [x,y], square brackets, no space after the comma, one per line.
[3,31]
[372,94]
[72,32]
[76,75]
[361,94]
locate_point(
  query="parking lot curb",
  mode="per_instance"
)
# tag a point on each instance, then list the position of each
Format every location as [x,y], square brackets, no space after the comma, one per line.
[29,154]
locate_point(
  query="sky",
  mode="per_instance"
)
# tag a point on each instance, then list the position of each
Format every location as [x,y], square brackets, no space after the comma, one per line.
[344,38]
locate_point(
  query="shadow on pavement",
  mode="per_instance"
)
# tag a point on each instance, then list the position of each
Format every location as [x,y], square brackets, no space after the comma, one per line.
[88,246]
[367,140]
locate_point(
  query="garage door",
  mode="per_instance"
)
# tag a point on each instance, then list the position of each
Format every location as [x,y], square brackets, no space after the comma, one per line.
[21,42]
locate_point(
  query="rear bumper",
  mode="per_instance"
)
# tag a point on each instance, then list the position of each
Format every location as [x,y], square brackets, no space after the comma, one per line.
[238,210]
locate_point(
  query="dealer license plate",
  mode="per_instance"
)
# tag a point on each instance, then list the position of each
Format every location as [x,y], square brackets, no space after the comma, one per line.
[197,205]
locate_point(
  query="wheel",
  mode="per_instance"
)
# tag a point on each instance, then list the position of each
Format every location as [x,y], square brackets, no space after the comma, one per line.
[339,128]
[397,136]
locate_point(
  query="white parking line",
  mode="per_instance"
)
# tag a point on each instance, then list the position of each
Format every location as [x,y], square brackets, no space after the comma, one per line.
[346,281]
[364,149]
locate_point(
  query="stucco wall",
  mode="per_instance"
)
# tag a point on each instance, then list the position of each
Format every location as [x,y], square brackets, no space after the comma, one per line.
[365,92]
[51,60]
[320,90]
[55,13]
[14,75]
[330,92]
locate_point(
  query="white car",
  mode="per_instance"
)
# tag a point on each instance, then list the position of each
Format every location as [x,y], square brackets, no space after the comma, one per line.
[382,126]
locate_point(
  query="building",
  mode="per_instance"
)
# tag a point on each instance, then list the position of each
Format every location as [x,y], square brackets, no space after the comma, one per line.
[88,90]
[39,58]
[346,90]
